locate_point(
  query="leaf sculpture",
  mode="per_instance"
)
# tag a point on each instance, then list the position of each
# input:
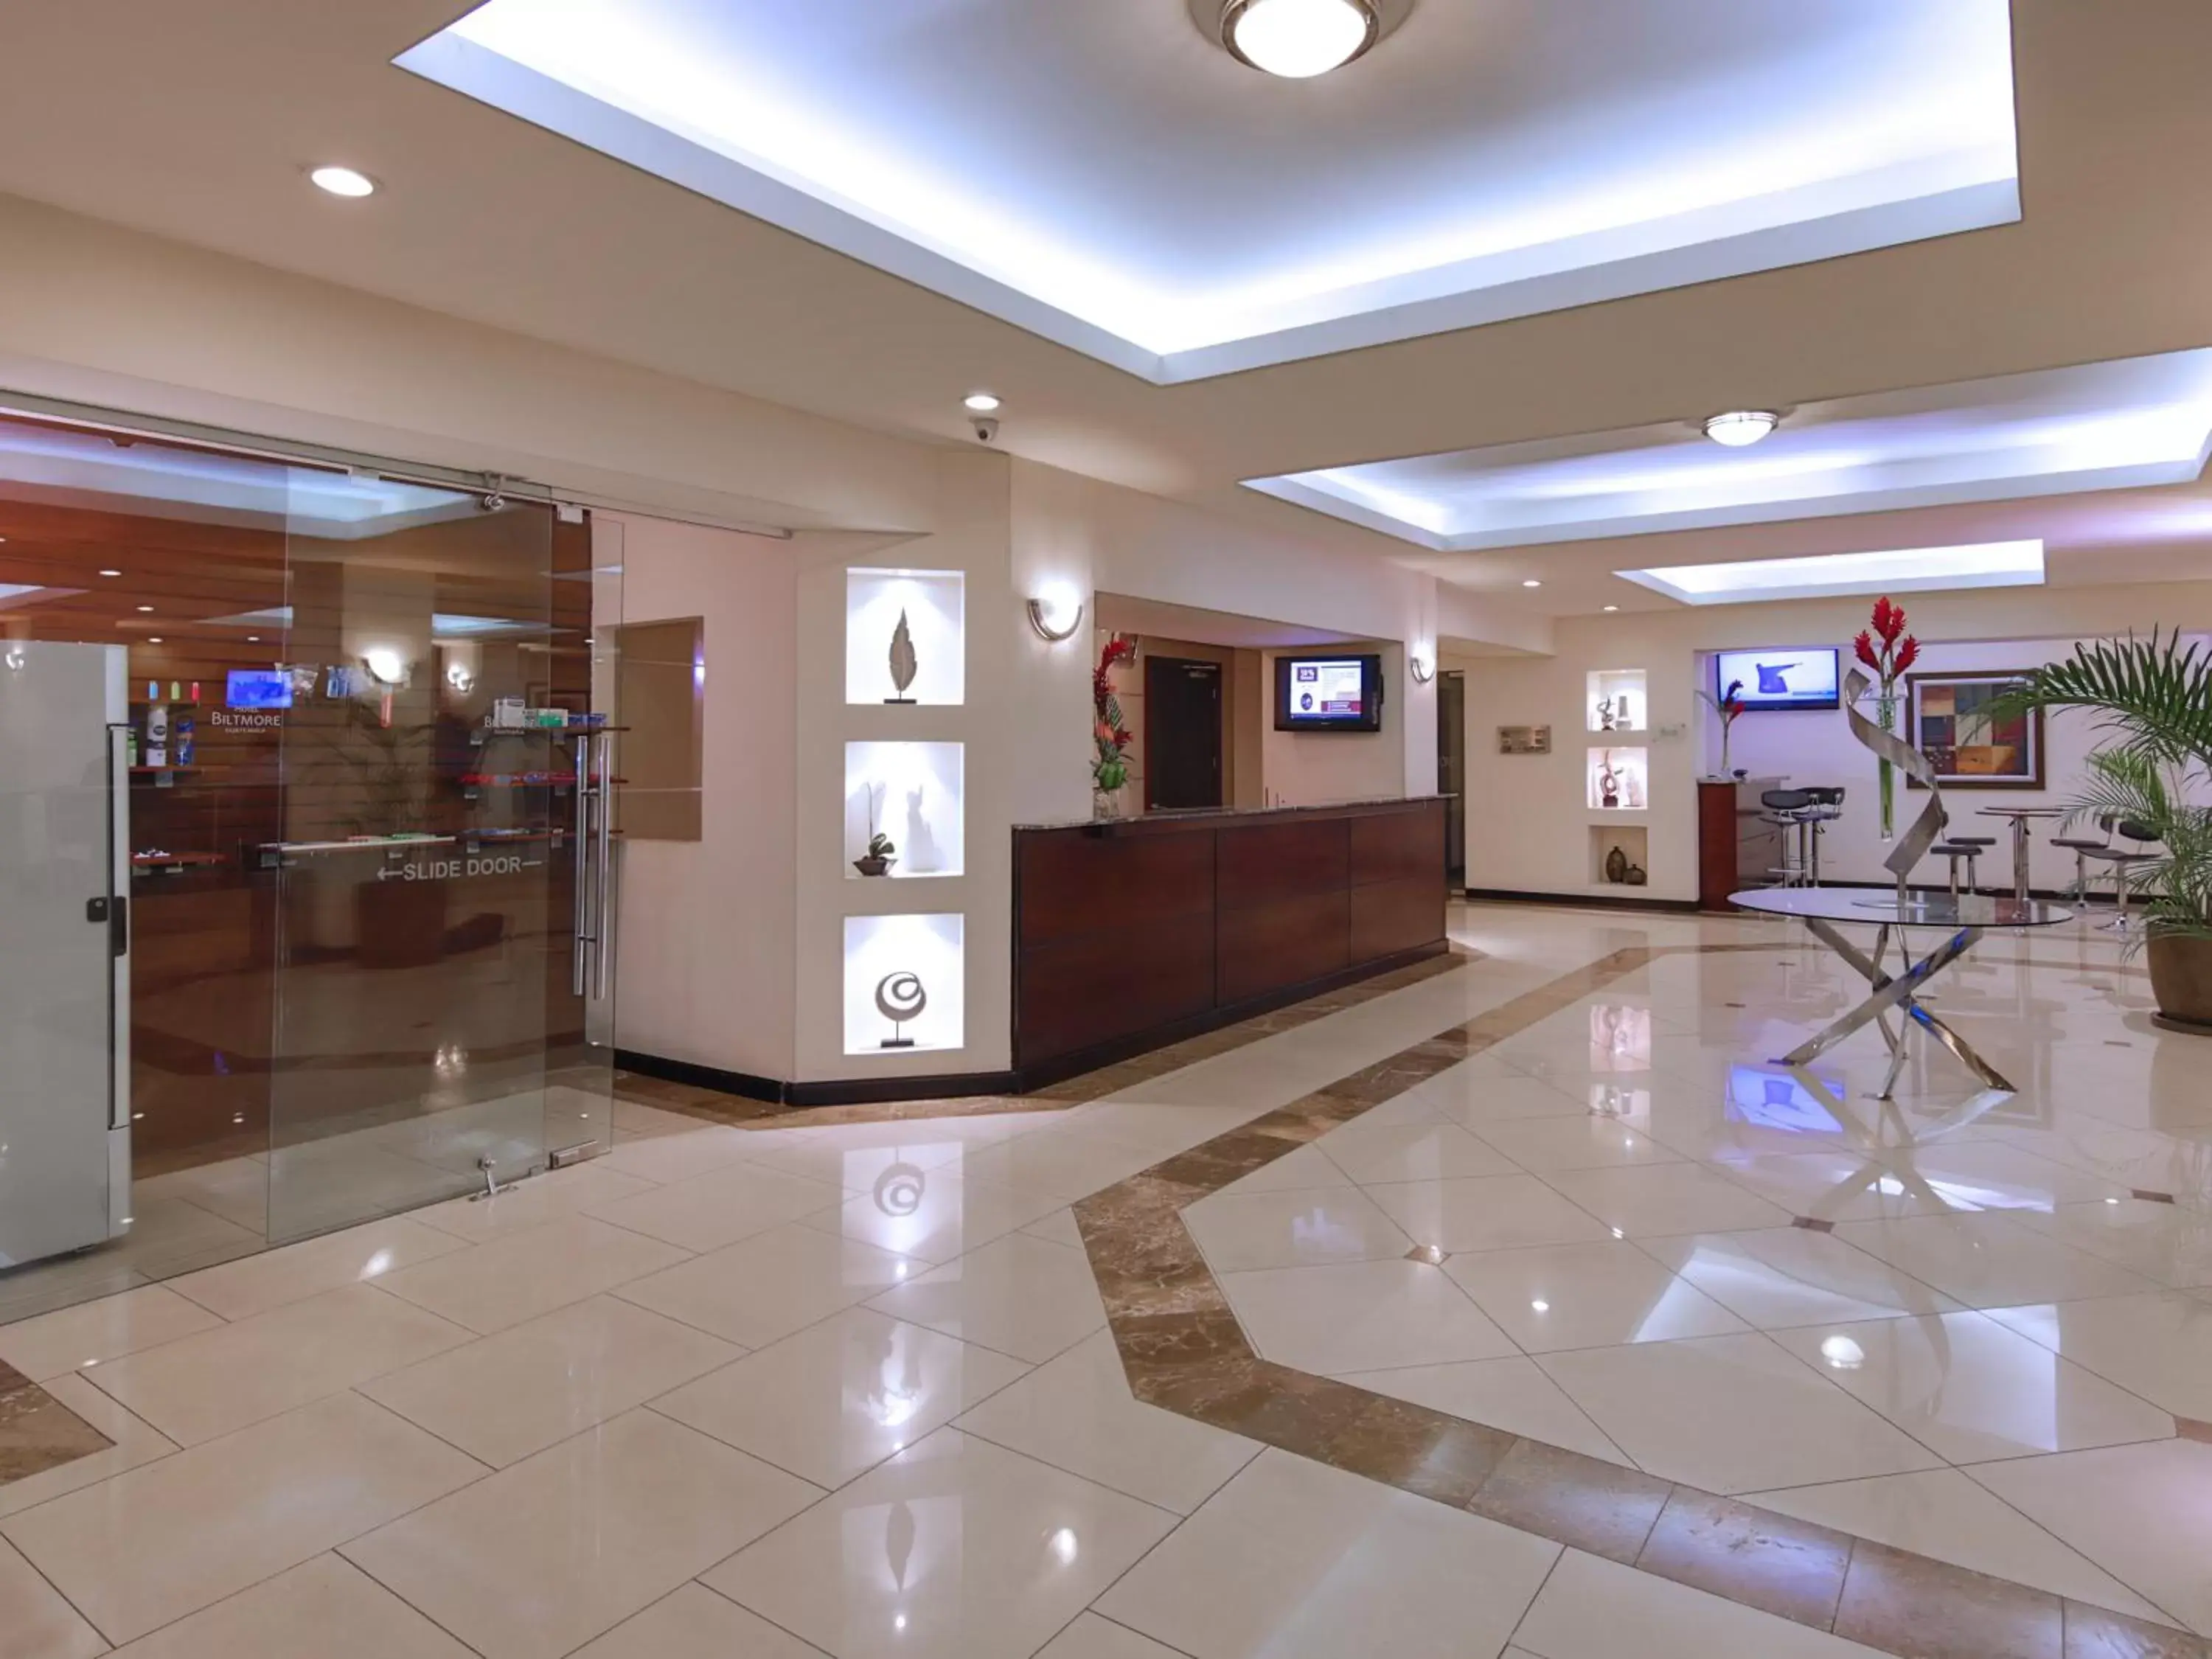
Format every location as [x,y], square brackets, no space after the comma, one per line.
[903,661]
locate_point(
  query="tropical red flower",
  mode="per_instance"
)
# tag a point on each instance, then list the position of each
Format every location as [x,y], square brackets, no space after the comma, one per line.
[1864,646]
[1888,620]
[1907,654]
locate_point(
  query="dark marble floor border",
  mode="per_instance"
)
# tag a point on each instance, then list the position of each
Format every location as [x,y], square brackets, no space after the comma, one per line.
[37,1431]
[1183,1350]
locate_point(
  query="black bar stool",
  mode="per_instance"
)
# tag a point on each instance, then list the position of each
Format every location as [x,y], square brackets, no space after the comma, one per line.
[1826,806]
[1785,808]
[2083,847]
[2124,862]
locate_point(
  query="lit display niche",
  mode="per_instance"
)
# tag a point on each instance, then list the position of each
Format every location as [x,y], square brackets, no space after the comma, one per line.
[1620,780]
[906,637]
[910,794]
[905,980]
[1616,701]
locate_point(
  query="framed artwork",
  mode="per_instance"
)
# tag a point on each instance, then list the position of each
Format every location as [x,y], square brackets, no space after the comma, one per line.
[1948,719]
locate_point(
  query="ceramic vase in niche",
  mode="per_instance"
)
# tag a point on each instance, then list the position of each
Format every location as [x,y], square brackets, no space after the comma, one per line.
[903,660]
[899,998]
[1616,866]
[1636,876]
[1608,785]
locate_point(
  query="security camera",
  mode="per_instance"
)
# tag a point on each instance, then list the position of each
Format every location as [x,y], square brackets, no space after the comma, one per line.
[986,428]
[491,501]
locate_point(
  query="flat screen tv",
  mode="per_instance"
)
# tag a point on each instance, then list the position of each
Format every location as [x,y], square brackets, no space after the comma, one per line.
[1801,677]
[1338,692]
[258,688]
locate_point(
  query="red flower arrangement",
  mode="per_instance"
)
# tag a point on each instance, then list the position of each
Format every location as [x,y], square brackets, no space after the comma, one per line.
[1109,770]
[1898,650]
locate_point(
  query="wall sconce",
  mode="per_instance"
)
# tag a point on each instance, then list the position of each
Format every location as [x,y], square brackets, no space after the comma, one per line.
[385,666]
[1423,671]
[460,678]
[1054,618]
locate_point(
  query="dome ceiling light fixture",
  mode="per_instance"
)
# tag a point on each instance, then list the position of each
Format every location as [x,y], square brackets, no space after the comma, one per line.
[1740,427]
[1298,39]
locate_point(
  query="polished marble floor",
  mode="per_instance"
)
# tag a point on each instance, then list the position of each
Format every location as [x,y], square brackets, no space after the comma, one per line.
[1751,1368]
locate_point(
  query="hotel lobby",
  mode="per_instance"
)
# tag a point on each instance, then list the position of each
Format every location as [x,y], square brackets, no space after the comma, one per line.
[1182,830]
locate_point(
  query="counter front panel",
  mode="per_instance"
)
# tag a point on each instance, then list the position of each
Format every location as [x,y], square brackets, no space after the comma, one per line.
[1133,934]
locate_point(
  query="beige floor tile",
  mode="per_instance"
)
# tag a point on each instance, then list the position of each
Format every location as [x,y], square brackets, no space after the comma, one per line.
[955,1549]
[1361,1316]
[1833,1186]
[932,1215]
[1786,1276]
[1076,1414]
[1162,1127]
[1296,1560]
[1093,1637]
[695,1623]
[1992,1176]
[632,1118]
[542,1557]
[1986,1261]
[1476,1099]
[1241,1231]
[2139,1512]
[1305,1168]
[1017,1294]
[327,1607]
[2158,1345]
[236,1188]
[857,1158]
[1943,1514]
[1513,1395]
[149,1547]
[54,1344]
[1495,1212]
[1058,1227]
[35,1621]
[200,1387]
[1730,1414]
[1597,1609]
[1659,1199]
[532,1203]
[1545,1144]
[700,1150]
[239,1290]
[709,1211]
[763,1288]
[1969,1390]
[136,1443]
[2167,1243]
[518,1276]
[1416,1152]
[1586,1296]
[1060,1162]
[841,1396]
[503,1397]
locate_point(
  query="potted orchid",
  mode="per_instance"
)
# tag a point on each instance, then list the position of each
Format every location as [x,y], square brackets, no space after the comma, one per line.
[1109,768]
[1888,650]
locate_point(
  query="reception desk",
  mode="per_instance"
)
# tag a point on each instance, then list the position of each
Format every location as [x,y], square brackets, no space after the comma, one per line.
[1133,933]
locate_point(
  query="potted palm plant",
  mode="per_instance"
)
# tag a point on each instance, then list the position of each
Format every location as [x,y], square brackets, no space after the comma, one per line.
[2156,698]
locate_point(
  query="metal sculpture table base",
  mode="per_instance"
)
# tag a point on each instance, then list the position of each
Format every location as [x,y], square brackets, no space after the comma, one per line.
[1895,993]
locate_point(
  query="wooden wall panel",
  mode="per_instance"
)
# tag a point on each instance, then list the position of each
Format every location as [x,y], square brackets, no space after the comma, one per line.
[1096,986]
[1388,917]
[1263,862]
[1267,947]
[1070,884]
[1401,847]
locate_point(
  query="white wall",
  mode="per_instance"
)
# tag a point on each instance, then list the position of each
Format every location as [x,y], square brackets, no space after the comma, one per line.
[707,929]
[1528,821]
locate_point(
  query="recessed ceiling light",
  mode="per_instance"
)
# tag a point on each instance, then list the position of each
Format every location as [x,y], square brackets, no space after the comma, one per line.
[343,181]
[253,639]
[111,573]
[1830,576]
[1532,582]
[1299,39]
[982,402]
[157,640]
[1740,427]
[146,610]
[1612,607]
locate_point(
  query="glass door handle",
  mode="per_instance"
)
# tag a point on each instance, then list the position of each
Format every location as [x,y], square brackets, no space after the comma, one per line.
[602,925]
[581,854]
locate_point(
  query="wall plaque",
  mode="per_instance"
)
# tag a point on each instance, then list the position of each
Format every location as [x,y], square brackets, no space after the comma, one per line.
[1524,739]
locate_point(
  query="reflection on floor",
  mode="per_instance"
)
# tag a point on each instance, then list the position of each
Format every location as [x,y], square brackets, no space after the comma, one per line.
[1574,1257]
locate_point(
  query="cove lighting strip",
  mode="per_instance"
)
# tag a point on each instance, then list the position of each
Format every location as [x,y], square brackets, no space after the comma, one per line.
[1830,576]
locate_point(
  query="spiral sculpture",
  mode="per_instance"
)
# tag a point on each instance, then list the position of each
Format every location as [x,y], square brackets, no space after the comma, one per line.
[899,998]
[1912,846]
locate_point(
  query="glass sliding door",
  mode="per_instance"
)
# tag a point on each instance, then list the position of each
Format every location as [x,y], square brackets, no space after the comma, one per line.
[434,825]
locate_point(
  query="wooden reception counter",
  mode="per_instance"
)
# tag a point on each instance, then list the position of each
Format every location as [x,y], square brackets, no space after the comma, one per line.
[1133,933]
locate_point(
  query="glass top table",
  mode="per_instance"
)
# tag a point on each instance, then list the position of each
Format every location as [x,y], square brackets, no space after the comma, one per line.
[2024,818]
[1881,909]
[1966,917]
